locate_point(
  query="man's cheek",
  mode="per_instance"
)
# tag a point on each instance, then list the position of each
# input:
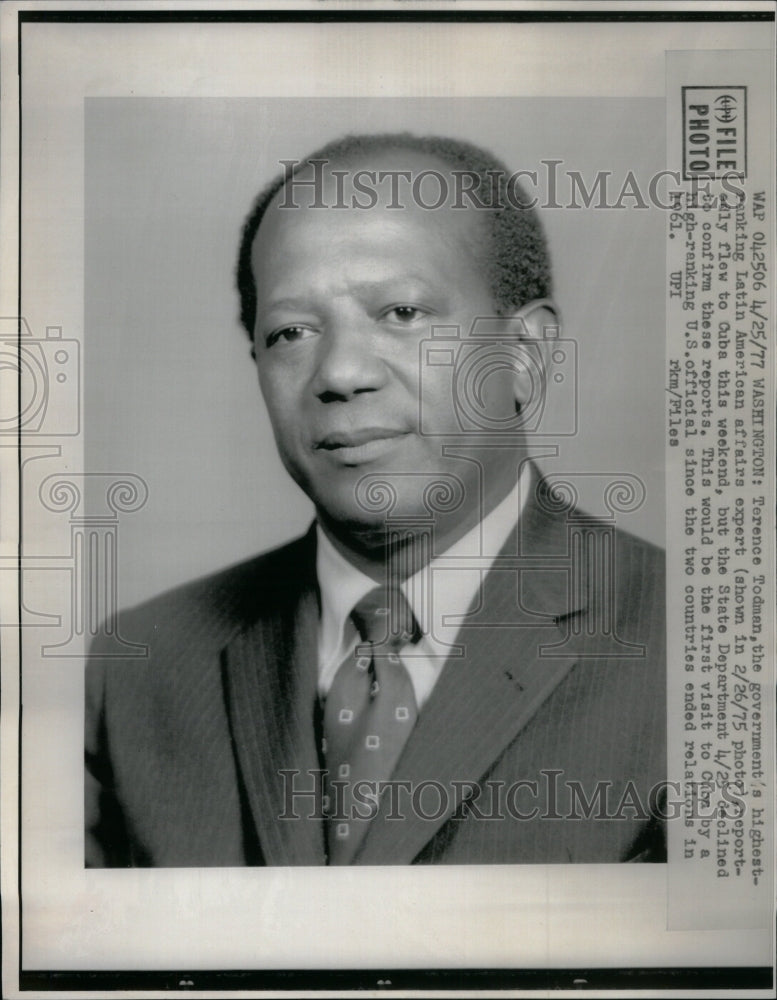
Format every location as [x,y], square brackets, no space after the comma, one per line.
[280,407]
[437,404]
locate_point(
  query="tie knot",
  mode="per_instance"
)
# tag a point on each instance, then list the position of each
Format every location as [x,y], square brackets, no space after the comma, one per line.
[384,618]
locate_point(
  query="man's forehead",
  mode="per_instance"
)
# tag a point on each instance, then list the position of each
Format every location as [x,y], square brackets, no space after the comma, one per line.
[398,182]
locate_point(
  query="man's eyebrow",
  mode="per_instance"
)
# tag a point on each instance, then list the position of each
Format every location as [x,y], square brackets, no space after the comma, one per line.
[284,303]
[404,276]
[366,286]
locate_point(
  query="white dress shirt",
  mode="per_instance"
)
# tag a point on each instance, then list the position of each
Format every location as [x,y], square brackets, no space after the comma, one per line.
[439,595]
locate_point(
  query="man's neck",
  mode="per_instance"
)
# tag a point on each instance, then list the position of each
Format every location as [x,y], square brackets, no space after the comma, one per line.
[391,554]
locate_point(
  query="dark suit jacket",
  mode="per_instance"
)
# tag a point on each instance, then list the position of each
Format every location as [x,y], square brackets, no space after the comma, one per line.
[562,681]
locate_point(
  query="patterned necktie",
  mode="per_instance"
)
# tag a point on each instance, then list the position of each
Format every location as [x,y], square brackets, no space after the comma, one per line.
[369,714]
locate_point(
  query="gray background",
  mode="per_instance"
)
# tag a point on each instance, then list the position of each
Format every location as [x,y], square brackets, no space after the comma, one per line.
[170,392]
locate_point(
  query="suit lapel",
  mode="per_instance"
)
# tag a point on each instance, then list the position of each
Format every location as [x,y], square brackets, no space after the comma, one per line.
[483,700]
[270,672]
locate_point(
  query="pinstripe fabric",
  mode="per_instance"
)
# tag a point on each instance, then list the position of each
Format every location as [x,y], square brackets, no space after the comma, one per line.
[184,750]
[272,714]
[181,749]
[605,723]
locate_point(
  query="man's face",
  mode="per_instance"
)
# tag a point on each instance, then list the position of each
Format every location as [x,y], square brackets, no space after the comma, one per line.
[344,299]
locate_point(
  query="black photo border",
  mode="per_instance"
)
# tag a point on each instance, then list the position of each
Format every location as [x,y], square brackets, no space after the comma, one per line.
[390,978]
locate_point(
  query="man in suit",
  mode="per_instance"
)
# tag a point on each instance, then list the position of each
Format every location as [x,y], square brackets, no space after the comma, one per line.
[453,665]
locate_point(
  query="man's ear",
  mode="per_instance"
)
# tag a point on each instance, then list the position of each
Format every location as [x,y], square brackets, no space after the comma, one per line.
[541,326]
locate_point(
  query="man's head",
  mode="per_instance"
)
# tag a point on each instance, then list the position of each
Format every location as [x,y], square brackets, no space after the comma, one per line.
[340,301]
[514,255]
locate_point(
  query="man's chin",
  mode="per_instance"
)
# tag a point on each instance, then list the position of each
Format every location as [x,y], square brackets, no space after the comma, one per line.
[356,530]
[363,506]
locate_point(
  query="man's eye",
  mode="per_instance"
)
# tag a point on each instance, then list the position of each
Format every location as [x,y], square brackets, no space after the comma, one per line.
[406,314]
[289,334]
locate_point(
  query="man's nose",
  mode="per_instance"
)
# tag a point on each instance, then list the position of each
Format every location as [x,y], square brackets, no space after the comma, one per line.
[348,364]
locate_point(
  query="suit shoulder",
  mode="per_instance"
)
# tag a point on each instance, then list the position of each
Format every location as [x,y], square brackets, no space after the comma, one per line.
[636,568]
[210,608]
[626,537]
[637,562]
[640,577]
[636,555]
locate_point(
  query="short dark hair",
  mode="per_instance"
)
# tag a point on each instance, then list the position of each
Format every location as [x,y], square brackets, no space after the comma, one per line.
[514,256]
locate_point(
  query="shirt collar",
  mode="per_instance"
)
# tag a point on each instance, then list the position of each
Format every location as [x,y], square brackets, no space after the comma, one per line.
[342,585]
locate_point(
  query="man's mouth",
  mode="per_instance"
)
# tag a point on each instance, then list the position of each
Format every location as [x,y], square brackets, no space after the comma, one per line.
[353,447]
[352,439]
